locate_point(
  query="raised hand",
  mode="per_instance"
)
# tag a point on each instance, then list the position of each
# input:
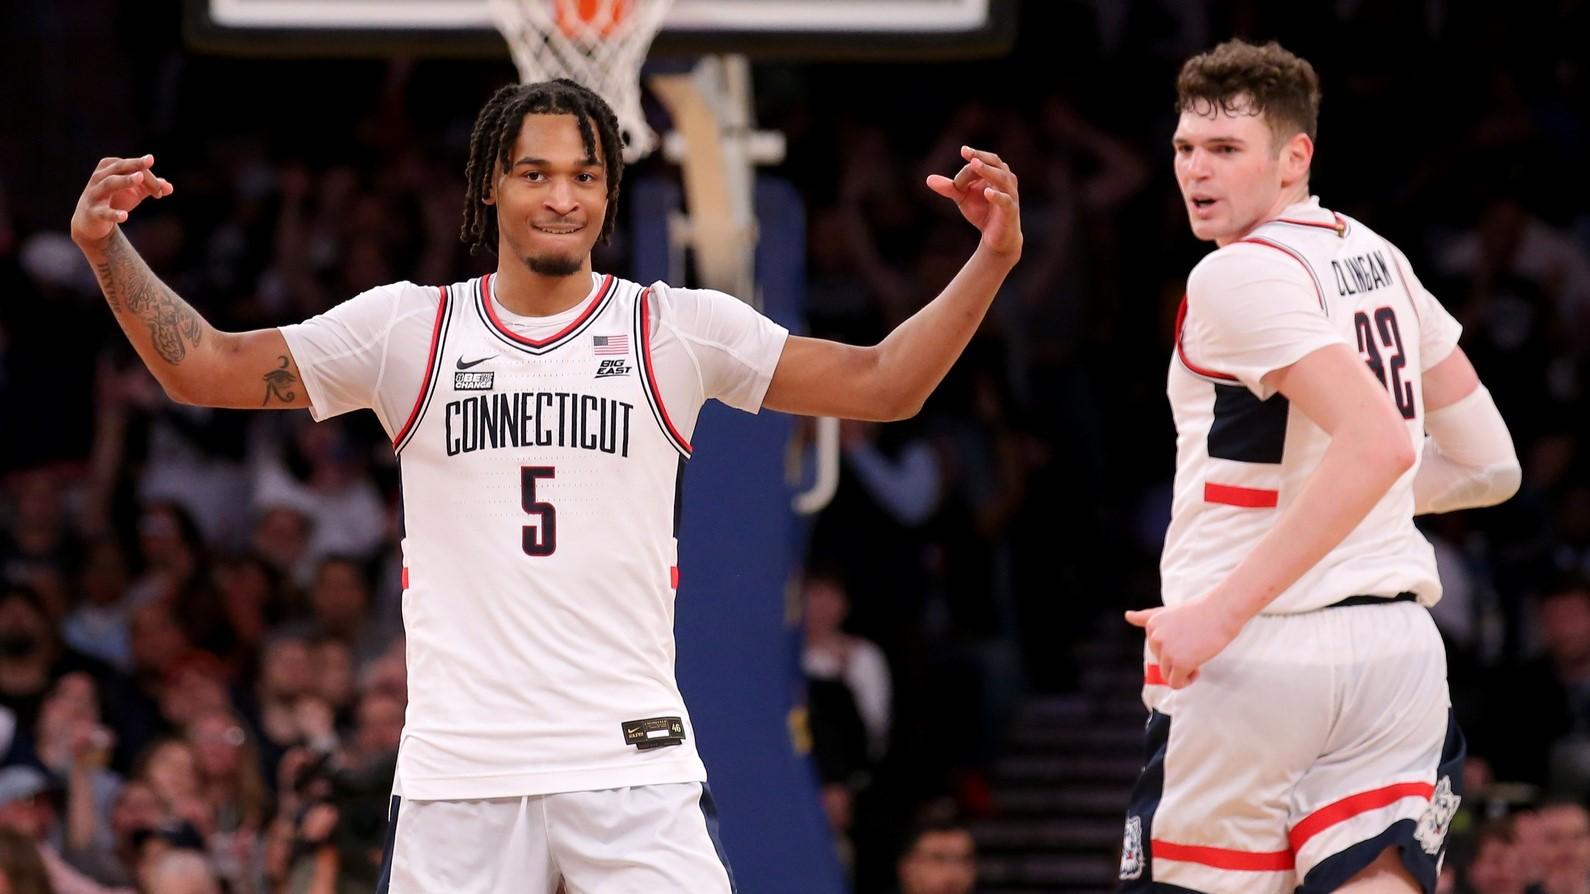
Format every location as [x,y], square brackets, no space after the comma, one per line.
[113,191]
[984,190]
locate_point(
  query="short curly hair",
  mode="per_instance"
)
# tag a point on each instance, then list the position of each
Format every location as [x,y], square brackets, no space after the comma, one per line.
[1238,78]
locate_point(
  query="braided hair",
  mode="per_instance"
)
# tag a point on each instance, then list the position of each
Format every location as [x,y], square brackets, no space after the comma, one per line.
[496,130]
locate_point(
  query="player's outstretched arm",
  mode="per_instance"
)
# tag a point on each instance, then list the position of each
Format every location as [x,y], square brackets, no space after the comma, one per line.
[193,361]
[1369,450]
[893,378]
[1468,458]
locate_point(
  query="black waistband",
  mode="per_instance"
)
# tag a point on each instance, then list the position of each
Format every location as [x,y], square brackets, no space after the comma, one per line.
[1374,600]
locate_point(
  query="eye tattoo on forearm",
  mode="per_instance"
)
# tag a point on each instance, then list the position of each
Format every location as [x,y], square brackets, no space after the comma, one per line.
[278,382]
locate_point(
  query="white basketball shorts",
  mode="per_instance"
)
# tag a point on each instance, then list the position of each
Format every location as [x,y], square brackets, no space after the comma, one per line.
[1314,742]
[656,839]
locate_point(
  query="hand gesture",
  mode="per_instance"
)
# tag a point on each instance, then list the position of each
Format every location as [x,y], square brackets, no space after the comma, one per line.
[115,189]
[984,190]
[1183,638]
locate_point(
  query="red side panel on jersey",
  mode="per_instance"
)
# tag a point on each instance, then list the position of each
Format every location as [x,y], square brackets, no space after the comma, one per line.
[423,398]
[1245,497]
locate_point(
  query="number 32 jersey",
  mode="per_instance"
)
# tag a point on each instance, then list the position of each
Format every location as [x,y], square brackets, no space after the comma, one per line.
[1308,279]
[541,464]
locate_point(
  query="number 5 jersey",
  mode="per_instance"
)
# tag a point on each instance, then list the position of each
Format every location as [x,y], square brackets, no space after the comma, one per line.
[542,460]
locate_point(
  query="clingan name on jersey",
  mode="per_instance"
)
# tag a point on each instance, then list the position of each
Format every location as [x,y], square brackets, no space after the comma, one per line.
[537,419]
[1361,273]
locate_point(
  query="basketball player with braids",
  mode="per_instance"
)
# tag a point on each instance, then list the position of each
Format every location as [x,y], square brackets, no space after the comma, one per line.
[1300,735]
[542,414]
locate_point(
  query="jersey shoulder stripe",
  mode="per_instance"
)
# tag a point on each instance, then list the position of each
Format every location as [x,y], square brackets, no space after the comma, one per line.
[432,364]
[1296,255]
[649,376]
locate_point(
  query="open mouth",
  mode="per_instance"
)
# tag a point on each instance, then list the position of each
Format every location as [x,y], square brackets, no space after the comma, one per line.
[565,230]
[1202,203]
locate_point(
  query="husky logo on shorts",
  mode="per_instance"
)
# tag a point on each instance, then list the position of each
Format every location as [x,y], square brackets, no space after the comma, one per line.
[1437,818]
[1132,850]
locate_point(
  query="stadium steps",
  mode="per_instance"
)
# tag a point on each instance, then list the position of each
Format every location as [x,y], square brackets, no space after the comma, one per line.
[1059,790]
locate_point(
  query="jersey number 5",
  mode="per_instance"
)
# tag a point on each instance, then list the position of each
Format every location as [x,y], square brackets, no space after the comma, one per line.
[539,539]
[1383,333]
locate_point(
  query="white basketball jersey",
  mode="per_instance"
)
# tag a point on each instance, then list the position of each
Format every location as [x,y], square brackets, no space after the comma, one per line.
[1295,284]
[541,496]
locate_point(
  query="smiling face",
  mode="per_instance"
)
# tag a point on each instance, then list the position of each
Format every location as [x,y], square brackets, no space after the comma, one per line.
[552,199]
[1234,171]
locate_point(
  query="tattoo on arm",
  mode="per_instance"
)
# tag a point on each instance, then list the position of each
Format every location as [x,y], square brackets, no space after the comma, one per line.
[278,383]
[128,282]
[107,284]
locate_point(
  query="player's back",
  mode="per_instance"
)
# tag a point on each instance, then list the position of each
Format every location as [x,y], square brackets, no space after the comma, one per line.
[1295,284]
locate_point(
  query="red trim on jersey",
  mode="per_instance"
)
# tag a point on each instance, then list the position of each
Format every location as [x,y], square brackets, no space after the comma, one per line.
[491,313]
[673,576]
[1257,240]
[1353,805]
[1152,676]
[430,370]
[1339,224]
[1246,497]
[1223,858]
[1181,318]
[405,577]
[651,377]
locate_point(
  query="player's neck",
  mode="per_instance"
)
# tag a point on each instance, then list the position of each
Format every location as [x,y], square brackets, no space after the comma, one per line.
[1292,195]
[530,294]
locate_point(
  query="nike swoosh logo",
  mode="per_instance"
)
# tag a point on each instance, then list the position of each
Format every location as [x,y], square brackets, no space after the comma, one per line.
[463,365]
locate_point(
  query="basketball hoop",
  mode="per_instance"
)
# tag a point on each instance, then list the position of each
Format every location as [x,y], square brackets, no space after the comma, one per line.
[599,43]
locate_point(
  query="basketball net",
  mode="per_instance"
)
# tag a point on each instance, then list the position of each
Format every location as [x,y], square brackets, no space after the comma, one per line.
[599,43]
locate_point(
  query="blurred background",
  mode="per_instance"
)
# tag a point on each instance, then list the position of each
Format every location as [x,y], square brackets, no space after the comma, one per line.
[201,657]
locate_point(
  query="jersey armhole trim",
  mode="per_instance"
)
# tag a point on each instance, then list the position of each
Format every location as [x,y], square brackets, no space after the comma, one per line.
[432,371]
[1181,352]
[649,377]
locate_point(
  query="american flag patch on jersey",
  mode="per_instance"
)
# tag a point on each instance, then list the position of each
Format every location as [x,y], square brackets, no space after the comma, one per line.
[607,345]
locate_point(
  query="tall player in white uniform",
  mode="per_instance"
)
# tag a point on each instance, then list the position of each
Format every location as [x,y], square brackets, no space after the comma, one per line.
[542,415]
[1300,734]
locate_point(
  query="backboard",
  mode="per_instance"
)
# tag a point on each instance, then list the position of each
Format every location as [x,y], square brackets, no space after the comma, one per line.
[810,30]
